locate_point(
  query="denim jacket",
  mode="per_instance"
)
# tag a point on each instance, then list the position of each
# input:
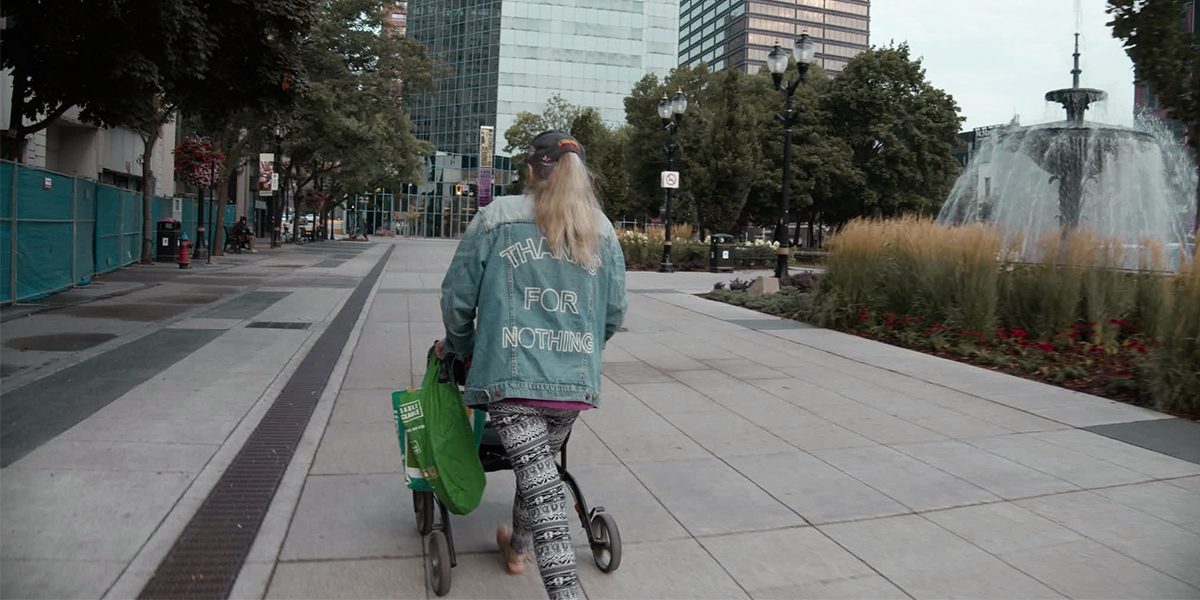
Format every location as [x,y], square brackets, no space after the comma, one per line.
[534,324]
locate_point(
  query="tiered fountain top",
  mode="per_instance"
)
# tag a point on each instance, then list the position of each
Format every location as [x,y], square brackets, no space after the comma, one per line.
[1076,99]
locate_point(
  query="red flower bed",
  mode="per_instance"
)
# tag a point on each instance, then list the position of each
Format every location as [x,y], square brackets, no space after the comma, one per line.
[1073,357]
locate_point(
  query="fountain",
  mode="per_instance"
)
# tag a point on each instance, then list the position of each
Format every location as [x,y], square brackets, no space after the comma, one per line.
[1121,182]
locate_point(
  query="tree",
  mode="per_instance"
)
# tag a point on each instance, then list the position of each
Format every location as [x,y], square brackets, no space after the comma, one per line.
[559,115]
[350,132]
[823,171]
[1166,59]
[900,130]
[647,136]
[724,156]
[134,63]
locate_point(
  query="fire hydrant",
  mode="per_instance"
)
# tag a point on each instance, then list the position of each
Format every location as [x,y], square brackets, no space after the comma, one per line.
[184,260]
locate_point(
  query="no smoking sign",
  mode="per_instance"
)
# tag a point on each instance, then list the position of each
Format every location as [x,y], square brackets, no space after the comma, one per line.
[670,179]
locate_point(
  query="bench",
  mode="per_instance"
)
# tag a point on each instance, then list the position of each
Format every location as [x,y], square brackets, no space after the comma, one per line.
[231,239]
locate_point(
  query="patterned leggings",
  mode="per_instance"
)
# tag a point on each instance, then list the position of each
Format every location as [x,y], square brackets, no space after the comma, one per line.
[532,435]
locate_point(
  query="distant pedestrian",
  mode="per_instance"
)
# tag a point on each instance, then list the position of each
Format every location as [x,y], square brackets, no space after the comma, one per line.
[245,235]
[536,289]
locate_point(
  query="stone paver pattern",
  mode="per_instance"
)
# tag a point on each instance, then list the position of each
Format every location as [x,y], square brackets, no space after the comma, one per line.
[740,461]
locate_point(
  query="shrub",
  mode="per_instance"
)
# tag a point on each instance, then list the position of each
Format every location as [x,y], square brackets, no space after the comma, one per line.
[1076,299]
[789,303]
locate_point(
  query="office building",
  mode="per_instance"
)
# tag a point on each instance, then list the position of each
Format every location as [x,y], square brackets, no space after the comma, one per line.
[512,56]
[395,18]
[738,34]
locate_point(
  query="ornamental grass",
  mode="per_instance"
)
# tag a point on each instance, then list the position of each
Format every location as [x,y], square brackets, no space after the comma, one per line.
[1079,309]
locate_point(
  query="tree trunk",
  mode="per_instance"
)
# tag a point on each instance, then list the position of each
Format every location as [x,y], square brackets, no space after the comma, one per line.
[16,139]
[148,140]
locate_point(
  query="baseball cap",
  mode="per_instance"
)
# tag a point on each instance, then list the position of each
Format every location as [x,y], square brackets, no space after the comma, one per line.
[549,146]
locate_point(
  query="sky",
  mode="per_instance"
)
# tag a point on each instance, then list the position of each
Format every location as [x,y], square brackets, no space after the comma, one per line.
[998,58]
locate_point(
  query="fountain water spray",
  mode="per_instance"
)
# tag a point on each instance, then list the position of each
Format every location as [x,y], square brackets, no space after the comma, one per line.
[1126,183]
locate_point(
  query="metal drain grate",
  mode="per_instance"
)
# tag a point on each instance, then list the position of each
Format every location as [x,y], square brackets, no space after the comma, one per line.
[206,559]
[277,325]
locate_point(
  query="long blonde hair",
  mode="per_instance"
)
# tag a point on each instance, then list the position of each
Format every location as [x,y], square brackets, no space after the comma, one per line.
[567,209]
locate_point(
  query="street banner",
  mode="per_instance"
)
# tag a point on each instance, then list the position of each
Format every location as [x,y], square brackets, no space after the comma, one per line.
[266,174]
[487,140]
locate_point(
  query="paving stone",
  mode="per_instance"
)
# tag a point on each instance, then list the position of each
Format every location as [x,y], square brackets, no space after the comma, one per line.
[1069,465]
[1187,483]
[768,411]
[903,544]
[159,430]
[708,497]
[911,482]
[586,448]
[1087,416]
[983,577]
[1174,437]
[119,456]
[1010,418]
[993,473]
[643,448]
[783,558]
[666,398]
[640,516]
[1086,569]
[726,435]
[879,426]
[1129,456]
[869,587]
[44,517]
[820,434]
[719,385]
[364,406]
[353,516]
[819,492]
[678,569]
[744,369]
[1003,527]
[368,578]
[1101,519]
[351,448]
[57,579]
[959,426]
[1045,397]
[635,372]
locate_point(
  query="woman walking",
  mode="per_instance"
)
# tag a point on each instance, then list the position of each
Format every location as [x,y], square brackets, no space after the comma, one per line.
[535,290]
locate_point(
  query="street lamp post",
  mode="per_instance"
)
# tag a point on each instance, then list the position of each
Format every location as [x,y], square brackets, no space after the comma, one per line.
[671,111]
[278,201]
[777,61]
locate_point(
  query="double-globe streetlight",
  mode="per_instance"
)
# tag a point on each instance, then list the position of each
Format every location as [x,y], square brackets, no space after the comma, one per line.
[805,51]
[671,111]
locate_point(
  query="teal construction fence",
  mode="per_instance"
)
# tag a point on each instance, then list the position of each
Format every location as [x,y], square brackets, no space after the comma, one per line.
[59,231]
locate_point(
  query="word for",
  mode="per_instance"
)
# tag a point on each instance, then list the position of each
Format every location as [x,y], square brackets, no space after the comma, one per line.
[547,339]
[551,300]
[523,252]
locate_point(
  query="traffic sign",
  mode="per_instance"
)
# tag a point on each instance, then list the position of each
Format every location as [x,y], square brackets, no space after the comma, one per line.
[670,179]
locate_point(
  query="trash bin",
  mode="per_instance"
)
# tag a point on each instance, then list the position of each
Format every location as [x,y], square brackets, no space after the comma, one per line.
[167,240]
[720,255]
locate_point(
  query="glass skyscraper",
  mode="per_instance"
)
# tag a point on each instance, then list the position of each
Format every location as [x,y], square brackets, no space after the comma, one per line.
[738,34]
[510,56]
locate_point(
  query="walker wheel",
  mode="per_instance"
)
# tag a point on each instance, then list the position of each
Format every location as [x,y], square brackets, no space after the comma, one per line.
[606,544]
[423,508]
[439,563]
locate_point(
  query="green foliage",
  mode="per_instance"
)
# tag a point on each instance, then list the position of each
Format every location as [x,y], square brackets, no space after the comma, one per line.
[823,171]
[1076,313]
[1165,56]
[788,302]
[350,132]
[900,130]
[723,153]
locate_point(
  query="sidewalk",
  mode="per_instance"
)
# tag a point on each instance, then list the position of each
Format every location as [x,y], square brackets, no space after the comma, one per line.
[741,455]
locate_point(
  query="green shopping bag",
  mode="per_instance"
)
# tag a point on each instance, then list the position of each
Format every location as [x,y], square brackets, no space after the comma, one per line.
[439,444]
